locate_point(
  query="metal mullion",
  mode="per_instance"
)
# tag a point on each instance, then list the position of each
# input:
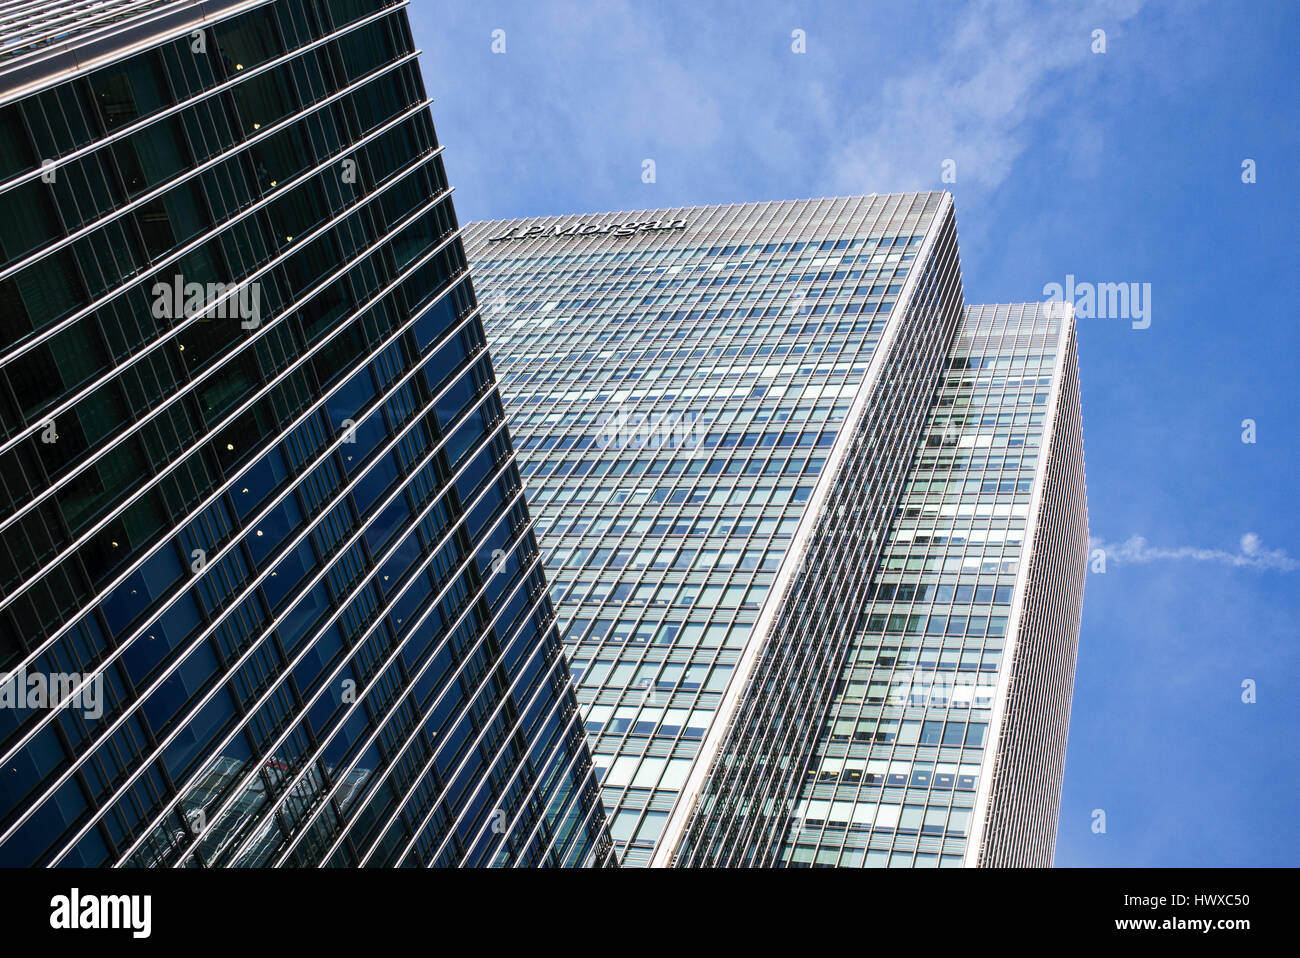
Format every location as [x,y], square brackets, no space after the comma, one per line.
[22,12]
[816,616]
[720,300]
[49,27]
[596,804]
[820,225]
[229,483]
[590,271]
[623,540]
[982,806]
[245,656]
[732,575]
[660,349]
[333,617]
[234,542]
[639,403]
[372,786]
[523,805]
[49,333]
[380,723]
[534,696]
[658,513]
[856,715]
[809,229]
[191,382]
[555,750]
[588,365]
[581,829]
[224,85]
[888,679]
[452,580]
[594,269]
[143,199]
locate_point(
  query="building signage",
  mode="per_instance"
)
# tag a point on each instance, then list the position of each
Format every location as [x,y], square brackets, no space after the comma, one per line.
[590,229]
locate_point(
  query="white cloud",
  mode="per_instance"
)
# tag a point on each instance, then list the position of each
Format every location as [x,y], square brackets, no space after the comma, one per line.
[1004,65]
[1252,554]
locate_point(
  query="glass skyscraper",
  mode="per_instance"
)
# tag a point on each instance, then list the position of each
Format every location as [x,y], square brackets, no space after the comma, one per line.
[815,529]
[269,590]
[943,742]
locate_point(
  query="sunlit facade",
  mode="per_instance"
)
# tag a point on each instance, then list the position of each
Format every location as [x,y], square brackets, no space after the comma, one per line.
[721,413]
[943,742]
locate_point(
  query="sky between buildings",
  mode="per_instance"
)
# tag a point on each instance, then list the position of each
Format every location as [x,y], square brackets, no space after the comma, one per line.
[1122,166]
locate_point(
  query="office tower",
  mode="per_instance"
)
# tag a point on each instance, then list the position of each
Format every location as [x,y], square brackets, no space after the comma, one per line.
[269,593]
[944,741]
[727,421]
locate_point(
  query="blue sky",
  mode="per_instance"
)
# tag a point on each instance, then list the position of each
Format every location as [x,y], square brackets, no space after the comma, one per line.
[1122,166]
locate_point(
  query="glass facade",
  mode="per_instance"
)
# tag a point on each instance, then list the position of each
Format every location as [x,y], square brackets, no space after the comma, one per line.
[677,383]
[893,771]
[269,589]
[720,413]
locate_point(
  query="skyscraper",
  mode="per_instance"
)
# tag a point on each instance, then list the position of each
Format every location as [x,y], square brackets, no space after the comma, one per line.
[944,739]
[815,530]
[269,592]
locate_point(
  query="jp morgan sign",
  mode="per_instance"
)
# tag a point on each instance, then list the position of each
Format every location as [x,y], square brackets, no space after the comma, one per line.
[590,229]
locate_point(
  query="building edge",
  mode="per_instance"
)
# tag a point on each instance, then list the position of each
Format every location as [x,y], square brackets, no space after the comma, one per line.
[1017,807]
[685,806]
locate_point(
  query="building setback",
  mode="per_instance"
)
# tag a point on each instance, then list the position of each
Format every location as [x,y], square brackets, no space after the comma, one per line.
[924,756]
[816,530]
[268,583]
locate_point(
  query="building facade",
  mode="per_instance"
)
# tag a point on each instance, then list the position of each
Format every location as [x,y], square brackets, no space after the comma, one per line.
[727,421]
[943,740]
[269,589]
